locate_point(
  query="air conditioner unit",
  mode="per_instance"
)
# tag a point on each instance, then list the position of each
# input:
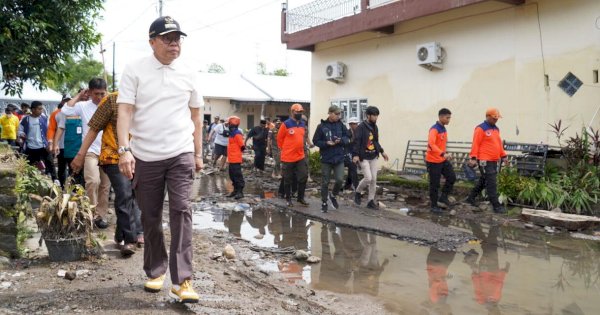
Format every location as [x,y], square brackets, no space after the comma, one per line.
[335,71]
[429,55]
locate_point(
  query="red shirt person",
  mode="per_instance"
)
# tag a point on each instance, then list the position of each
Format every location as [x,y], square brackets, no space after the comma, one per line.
[487,150]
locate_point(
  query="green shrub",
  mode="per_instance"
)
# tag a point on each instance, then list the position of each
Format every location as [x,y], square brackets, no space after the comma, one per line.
[314,164]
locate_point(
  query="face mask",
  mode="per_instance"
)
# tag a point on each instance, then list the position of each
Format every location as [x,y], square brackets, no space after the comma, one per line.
[232,128]
[297,116]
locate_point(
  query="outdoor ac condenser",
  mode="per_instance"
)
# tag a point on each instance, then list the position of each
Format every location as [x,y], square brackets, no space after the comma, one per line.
[335,71]
[429,55]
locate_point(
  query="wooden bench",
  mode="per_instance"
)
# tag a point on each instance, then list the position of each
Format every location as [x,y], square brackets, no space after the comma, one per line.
[529,159]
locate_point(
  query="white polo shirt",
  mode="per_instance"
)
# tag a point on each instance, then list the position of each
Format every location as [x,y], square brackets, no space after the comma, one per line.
[162,95]
[86,110]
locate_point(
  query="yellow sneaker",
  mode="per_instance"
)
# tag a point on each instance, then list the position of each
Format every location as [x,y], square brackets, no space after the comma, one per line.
[154,285]
[184,293]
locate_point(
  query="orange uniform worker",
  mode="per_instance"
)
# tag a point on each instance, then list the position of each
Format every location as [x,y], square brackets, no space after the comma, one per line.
[290,140]
[438,161]
[487,150]
[235,148]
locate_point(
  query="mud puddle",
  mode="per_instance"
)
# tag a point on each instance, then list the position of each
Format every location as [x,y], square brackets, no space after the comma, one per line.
[509,271]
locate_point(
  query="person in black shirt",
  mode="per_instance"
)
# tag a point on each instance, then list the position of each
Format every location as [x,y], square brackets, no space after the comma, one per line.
[259,136]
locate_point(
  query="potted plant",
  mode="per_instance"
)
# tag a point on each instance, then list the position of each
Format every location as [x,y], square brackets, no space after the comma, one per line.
[65,219]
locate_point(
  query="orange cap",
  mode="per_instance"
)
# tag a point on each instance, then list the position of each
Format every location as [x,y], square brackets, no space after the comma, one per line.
[493,112]
[234,120]
[297,108]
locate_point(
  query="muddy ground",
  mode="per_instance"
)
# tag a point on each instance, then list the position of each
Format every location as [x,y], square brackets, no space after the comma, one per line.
[114,285]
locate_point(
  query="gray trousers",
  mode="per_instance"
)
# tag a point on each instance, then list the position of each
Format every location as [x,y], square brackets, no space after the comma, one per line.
[338,173]
[149,184]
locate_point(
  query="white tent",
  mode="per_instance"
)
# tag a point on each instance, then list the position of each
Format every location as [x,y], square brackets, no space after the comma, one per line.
[48,97]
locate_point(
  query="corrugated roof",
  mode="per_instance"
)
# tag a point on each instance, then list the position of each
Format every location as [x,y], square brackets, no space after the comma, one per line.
[229,86]
[282,89]
[257,88]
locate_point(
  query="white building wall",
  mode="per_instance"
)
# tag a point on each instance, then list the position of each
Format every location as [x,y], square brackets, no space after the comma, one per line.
[496,55]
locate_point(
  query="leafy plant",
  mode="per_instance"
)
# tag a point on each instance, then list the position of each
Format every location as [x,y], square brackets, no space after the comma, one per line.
[314,164]
[66,214]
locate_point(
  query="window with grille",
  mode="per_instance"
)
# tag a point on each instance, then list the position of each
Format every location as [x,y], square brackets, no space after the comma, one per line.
[354,107]
[570,84]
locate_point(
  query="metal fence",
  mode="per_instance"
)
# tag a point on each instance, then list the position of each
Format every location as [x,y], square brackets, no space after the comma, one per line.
[319,12]
[377,3]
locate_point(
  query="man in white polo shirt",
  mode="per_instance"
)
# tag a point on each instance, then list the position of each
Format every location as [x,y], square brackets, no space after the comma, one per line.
[165,150]
[97,184]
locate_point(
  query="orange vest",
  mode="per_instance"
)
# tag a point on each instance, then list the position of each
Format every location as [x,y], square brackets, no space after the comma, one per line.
[234,149]
[290,139]
[52,125]
[436,144]
[487,145]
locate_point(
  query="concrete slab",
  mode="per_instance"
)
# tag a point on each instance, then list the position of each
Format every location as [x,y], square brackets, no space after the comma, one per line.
[384,222]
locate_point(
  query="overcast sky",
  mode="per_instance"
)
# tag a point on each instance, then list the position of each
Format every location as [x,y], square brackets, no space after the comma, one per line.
[233,33]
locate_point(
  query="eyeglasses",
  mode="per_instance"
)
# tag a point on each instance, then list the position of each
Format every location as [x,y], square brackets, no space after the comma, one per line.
[168,40]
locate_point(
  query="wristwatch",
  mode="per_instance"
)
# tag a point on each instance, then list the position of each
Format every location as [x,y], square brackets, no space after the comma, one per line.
[122,150]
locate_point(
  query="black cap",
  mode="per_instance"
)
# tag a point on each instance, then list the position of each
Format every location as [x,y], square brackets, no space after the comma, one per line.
[263,122]
[164,25]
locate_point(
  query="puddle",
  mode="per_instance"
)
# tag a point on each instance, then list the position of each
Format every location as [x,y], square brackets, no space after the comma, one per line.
[510,271]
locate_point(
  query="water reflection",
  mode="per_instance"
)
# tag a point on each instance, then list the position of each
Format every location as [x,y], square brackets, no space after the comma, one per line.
[548,274]
[486,274]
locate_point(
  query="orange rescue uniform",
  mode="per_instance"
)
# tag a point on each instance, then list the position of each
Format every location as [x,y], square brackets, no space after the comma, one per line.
[52,126]
[487,145]
[290,140]
[234,149]
[436,144]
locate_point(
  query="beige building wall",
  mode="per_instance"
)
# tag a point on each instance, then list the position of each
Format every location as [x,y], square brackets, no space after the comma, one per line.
[496,55]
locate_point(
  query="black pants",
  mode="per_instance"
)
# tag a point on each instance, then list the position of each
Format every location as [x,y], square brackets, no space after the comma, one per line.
[236,176]
[282,186]
[436,170]
[352,179]
[129,224]
[260,152]
[35,155]
[63,164]
[299,170]
[487,180]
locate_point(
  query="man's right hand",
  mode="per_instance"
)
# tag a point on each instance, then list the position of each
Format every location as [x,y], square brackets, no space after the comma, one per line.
[77,163]
[56,149]
[127,164]
[355,160]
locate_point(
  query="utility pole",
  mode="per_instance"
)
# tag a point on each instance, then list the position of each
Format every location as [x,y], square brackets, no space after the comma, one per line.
[160,6]
[113,70]
[102,51]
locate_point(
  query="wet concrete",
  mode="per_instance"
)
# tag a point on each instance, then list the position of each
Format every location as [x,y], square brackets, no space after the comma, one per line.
[506,271]
[393,225]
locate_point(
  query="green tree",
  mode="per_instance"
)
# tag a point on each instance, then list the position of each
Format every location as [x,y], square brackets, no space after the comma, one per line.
[77,74]
[38,36]
[281,72]
[215,68]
